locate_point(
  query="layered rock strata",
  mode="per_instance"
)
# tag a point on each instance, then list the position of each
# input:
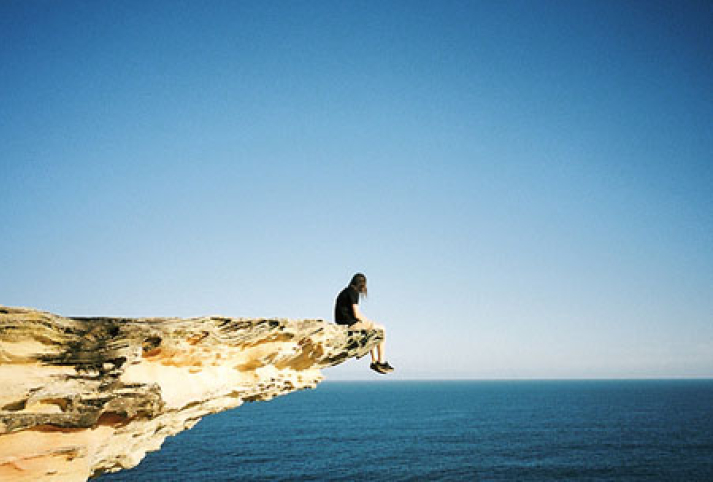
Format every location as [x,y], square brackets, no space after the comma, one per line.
[84,396]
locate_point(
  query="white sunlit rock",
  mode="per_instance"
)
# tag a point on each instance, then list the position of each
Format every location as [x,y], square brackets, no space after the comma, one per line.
[84,396]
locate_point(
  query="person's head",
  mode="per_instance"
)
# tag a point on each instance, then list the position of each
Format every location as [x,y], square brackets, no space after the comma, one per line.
[358,282]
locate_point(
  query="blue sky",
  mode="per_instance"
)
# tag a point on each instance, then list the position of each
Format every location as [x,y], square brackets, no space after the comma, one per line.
[527,185]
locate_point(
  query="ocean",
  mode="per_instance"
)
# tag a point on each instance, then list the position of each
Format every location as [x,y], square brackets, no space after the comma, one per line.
[574,430]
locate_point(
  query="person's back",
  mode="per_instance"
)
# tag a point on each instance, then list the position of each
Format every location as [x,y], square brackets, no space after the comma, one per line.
[344,306]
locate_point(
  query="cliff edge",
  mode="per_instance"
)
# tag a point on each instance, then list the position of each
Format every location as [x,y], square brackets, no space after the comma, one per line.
[84,396]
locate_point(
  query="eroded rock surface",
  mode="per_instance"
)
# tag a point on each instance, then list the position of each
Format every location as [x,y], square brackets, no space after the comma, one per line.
[84,396]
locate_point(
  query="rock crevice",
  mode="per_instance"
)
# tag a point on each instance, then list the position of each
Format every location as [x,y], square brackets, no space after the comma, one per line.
[84,396]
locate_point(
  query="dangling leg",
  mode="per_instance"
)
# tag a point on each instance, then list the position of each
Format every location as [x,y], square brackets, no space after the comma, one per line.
[382,365]
[380,352]
[378,362]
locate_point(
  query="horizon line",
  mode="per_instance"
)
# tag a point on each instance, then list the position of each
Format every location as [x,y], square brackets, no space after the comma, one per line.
[504,379]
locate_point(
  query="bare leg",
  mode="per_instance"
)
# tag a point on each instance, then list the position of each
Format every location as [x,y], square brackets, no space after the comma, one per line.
[380,352]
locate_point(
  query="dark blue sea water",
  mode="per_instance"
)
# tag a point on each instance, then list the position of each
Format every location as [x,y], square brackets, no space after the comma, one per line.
[469,430]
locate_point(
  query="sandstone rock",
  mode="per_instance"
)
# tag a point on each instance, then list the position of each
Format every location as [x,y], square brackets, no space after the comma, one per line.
[84,396]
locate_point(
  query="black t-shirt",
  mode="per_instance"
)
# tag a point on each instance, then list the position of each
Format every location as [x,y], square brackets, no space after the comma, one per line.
[344,307]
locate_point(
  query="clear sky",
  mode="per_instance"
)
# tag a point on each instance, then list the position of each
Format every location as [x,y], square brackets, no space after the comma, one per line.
[528,185]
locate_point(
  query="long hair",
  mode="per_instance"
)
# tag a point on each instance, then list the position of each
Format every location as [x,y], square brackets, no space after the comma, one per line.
[358,282]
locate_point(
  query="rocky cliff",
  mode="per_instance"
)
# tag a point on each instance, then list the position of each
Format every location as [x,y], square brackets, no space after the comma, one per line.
[84,396]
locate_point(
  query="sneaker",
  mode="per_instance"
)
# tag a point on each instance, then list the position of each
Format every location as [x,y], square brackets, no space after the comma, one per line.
[377,368]
[385,367]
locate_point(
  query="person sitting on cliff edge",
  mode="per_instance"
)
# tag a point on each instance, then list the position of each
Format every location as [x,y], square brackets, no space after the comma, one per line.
[346,312]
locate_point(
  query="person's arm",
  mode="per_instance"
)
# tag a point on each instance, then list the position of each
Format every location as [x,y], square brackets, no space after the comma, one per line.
[358,314]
